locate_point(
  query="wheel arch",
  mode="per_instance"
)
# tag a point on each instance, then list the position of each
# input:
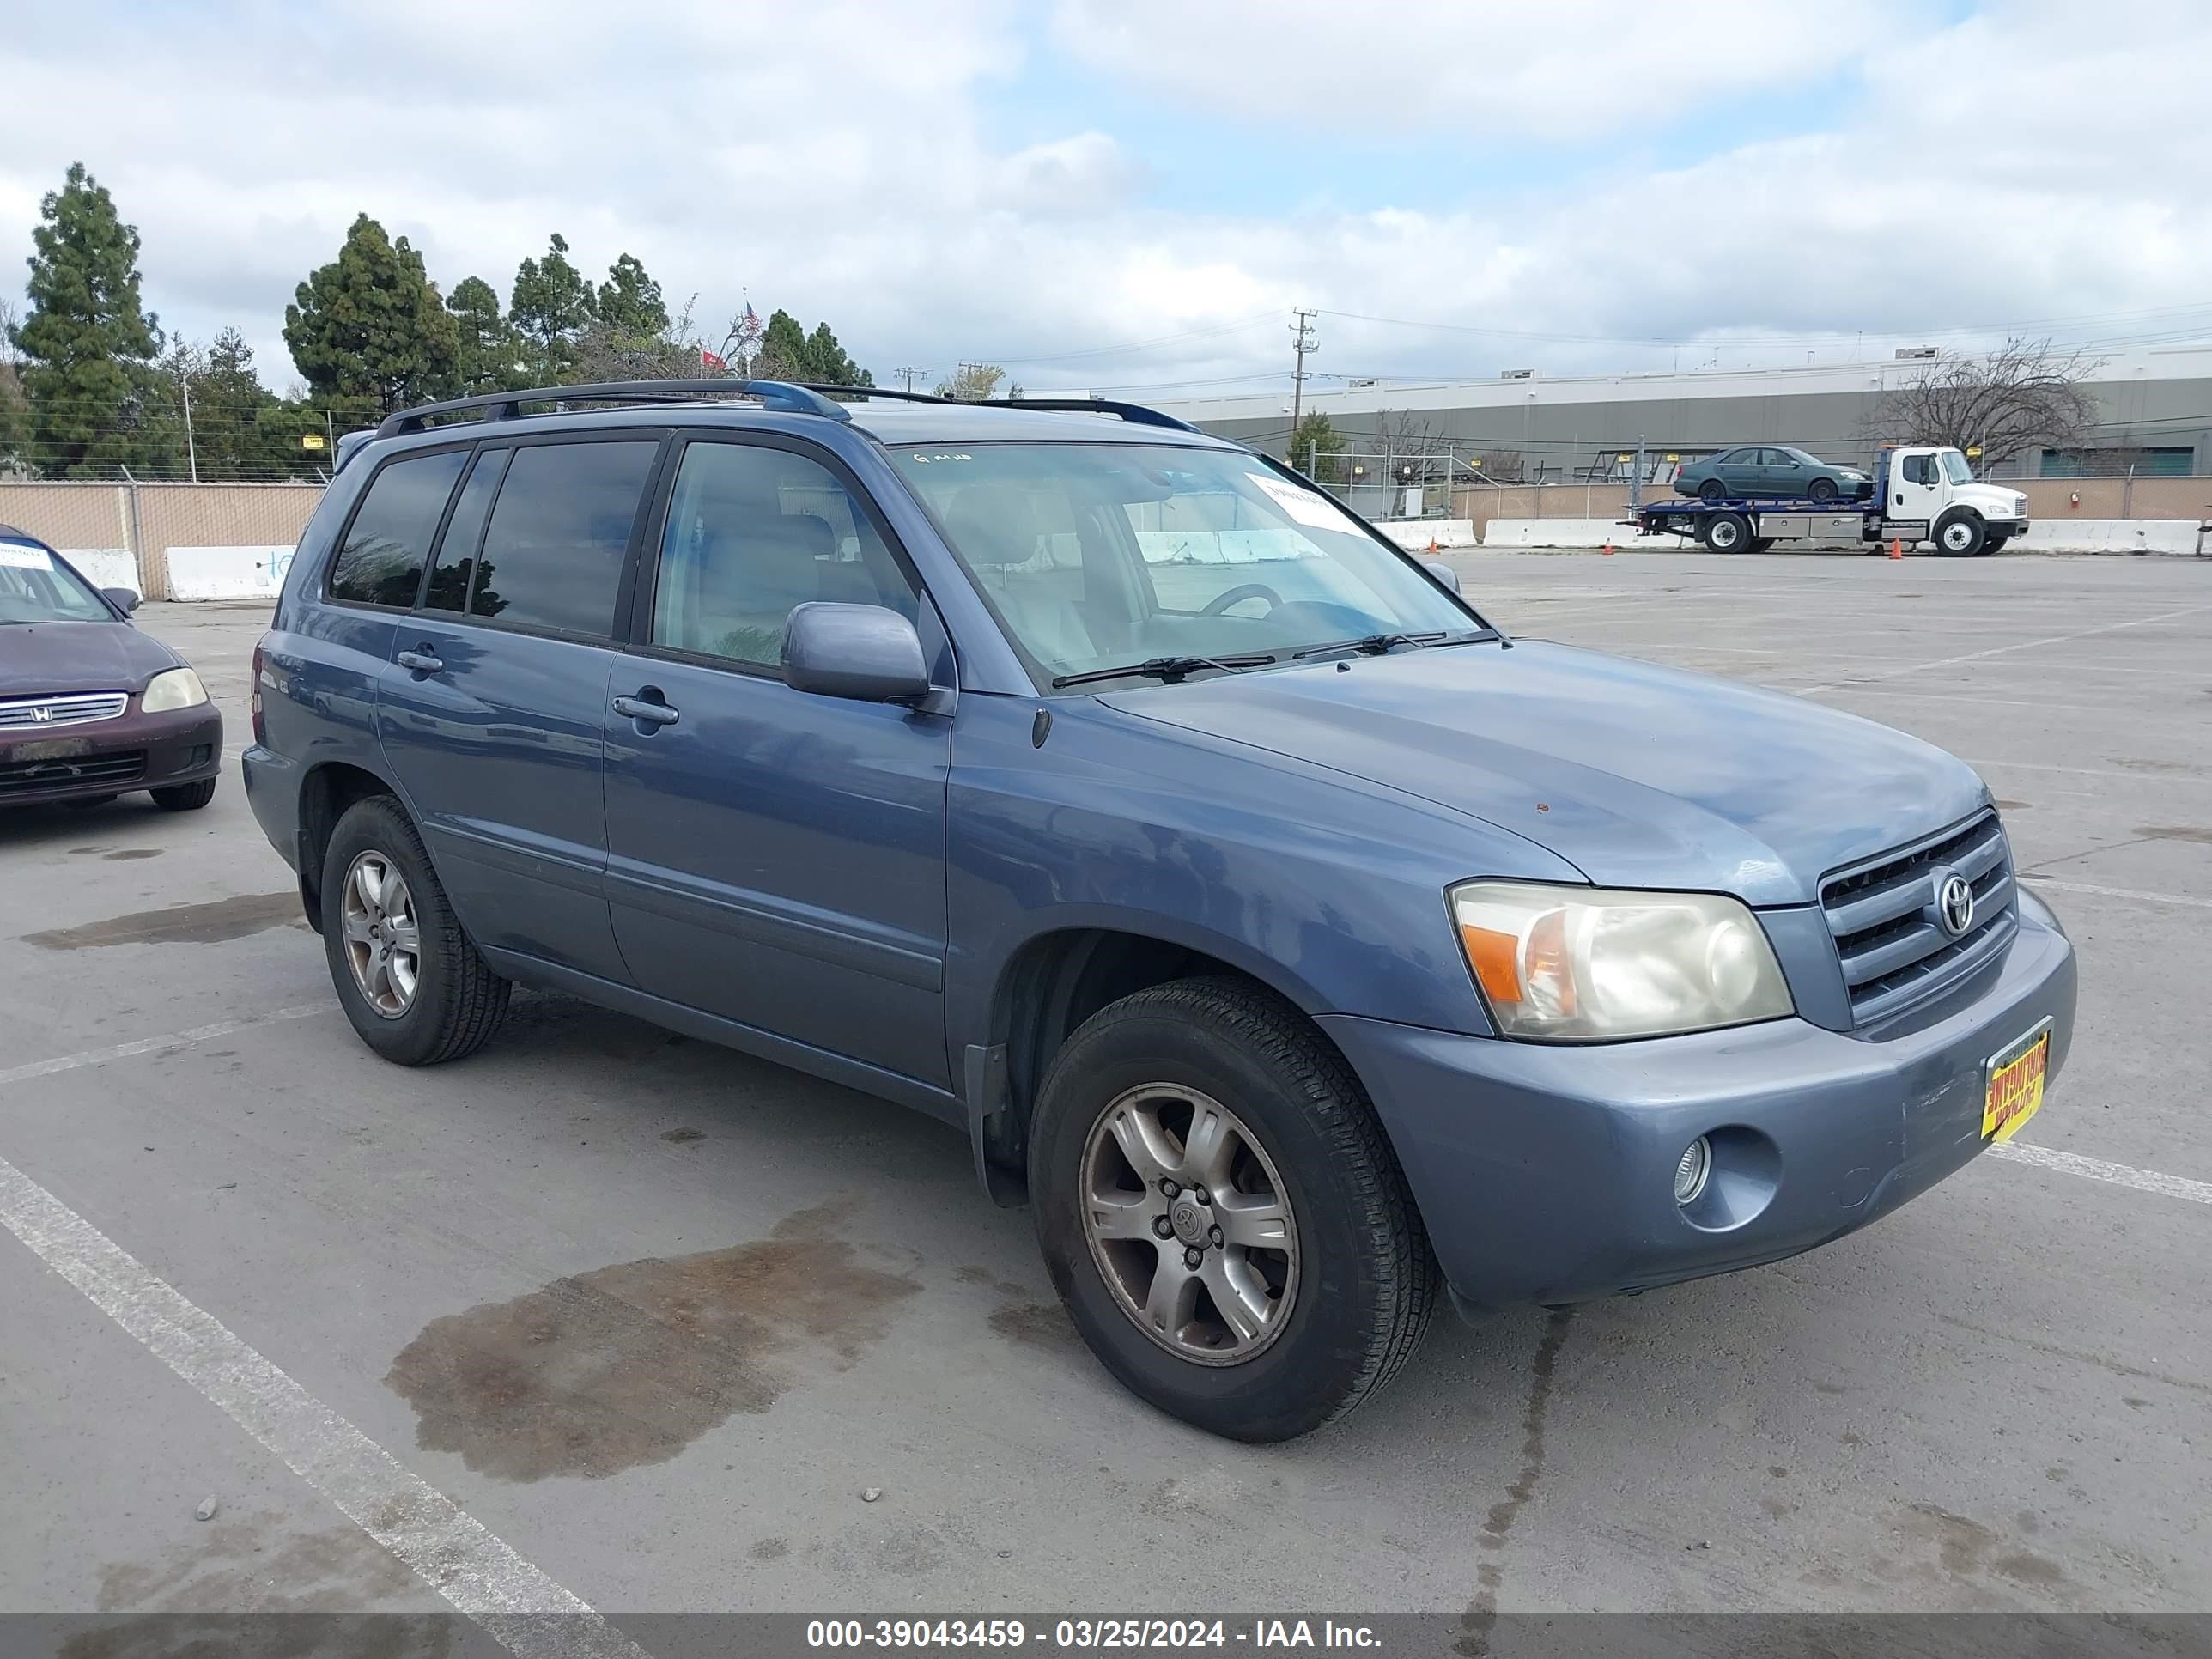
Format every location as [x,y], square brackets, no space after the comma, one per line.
[1053,981]
[327,791]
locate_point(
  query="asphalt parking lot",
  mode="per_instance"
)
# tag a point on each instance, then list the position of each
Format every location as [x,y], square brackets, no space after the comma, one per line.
[657,1314]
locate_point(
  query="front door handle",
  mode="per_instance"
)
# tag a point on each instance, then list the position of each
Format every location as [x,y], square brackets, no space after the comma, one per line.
[647,707]
[420,662]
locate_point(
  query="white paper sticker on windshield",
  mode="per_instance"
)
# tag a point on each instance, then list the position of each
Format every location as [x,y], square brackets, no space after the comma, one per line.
[1300,503]
[14,555]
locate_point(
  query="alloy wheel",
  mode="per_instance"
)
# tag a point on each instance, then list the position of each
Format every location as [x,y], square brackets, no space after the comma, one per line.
[1189,1224]
[383,940]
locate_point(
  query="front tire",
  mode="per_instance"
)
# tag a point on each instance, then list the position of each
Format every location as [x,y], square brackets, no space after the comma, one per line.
[1728,532]
[185,797]
[406,974]
[1960,535]
[1822,492]
[1285,1276]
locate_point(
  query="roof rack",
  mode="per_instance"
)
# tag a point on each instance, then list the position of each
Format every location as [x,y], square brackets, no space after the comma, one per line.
[1137,413]
[507,405]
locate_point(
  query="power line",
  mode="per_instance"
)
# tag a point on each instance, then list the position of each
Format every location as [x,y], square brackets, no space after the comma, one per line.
[1302,344]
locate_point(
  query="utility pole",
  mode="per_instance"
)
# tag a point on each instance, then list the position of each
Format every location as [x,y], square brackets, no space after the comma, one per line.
[191,449]
[1302,344]
[908,373]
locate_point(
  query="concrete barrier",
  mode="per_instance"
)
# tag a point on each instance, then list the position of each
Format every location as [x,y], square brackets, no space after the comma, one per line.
[1414,535]
[227,573]
[1567,532]
[2167,536]
[105,566]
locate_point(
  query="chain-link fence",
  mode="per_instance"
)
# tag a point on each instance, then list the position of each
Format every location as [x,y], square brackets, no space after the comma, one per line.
[166,540]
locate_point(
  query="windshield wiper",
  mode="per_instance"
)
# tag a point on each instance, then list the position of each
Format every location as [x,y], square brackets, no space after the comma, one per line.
[1378,645]
[1169,668]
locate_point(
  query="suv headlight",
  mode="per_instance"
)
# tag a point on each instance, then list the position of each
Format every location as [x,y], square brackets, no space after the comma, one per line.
[172,688]
[1584,964]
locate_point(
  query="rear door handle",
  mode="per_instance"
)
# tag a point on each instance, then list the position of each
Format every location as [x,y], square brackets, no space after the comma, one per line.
[646,709]
[420,662]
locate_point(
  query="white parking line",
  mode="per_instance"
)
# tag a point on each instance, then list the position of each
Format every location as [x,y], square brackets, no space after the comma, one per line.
[2096,1169]
[2134,893]
[2002,650]
[526,1611]
[172,1040]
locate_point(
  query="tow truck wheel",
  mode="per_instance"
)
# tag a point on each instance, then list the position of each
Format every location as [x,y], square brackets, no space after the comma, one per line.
[1995,544]
[1728,532]
[1960,535]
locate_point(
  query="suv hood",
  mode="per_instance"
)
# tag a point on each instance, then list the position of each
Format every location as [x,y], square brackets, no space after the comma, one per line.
[1638,775]
[58,657]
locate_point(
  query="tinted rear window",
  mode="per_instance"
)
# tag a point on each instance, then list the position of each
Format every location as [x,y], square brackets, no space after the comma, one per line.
[553,554]
[380,561]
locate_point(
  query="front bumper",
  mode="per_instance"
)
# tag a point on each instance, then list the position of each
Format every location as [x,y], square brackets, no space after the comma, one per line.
[101,758]
[1544,1173]
[2008,528]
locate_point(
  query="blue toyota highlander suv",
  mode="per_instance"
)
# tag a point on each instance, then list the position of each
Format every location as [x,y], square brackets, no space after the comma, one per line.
[1296,941]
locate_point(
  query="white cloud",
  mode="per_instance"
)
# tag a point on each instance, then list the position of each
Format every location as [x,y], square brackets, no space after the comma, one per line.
[843,160]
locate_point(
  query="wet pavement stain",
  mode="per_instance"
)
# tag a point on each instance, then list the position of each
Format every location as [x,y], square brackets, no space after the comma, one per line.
[628,1364]
[1966,1548]
[1481,1615]
[180,924]
[218,1589]
[2004,805]
[683,1137]
[2196,832]
[124,854]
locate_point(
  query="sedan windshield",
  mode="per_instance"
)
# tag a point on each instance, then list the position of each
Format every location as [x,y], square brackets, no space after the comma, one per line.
[1162,560]
[35,588]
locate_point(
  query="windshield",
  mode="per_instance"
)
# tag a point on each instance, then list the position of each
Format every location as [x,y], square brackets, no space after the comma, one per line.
[36,587]
[1955,468]
[1095,556]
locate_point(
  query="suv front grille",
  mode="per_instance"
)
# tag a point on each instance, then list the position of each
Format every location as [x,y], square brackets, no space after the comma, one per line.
[74,709]
[1882,913]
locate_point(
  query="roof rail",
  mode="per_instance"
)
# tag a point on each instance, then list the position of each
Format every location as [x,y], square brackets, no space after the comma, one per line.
[507,405]
[1137,413]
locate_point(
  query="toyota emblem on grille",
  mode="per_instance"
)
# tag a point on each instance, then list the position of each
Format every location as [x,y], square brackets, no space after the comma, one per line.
[1954,904]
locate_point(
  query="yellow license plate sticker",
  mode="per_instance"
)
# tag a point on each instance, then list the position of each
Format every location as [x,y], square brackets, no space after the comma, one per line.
[2015,1087]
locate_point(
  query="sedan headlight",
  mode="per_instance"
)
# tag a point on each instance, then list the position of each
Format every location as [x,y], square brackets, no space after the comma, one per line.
[172,688]
[1584,965]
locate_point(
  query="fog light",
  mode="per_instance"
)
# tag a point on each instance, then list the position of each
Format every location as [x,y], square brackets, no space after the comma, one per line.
[1691,1173]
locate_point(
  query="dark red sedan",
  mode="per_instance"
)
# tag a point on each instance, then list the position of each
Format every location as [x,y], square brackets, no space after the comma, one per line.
[90,708]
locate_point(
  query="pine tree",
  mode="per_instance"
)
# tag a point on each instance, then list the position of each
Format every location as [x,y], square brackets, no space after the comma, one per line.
[369,331]
[825,363]
[490,353]
[227,399]
[551,305]
[87,346]
[629,301]
[783,352]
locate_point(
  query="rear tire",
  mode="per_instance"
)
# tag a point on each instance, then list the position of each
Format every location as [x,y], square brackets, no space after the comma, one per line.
[1328,1313]
[1995,544]
[1761,544]
[1960,534]
[446,1002]
[185,797]
[1822,492]
[1712,492]
[1728,532]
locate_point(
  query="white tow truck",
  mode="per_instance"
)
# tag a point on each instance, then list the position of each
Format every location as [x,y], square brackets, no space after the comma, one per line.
[1922,493]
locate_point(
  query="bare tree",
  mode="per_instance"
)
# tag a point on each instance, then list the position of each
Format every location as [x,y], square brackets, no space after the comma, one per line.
[2024,396]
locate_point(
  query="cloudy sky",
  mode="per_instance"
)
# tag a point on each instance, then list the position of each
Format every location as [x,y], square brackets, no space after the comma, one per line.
[1131,195]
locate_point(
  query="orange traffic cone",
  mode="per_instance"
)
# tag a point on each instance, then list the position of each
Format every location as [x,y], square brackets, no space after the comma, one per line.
[1608,548]
[1433,548]
[1896,548]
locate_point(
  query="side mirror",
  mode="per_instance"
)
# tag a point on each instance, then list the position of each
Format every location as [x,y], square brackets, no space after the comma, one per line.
[864,652]
[1444,574]
[124,599]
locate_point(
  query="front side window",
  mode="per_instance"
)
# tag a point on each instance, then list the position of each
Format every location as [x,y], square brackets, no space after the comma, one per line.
[752,532]
[456,561]
[380,560]
[1955,468]
[553,552]
[1918,469]
[37,587]
[1099,555]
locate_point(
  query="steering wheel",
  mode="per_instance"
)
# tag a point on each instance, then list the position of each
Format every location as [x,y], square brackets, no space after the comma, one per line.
[1237,595]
